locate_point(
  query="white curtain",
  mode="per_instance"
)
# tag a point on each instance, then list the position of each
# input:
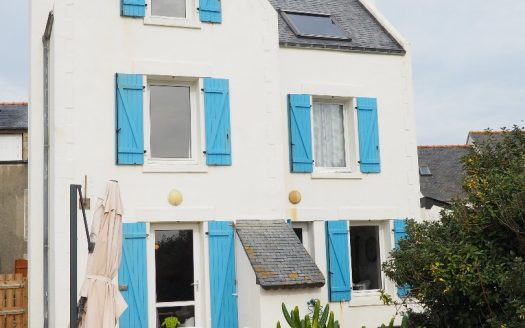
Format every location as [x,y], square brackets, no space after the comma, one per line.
[329,136]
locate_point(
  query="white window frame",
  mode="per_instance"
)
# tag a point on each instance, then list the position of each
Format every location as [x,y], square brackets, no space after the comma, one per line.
[190,21]
[383,227]
[184,165]
[350,139]
[198,267]
[307,236]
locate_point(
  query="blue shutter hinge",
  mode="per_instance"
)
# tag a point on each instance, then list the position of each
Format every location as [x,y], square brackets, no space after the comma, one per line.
[145,151]
[118,130]
[204,152]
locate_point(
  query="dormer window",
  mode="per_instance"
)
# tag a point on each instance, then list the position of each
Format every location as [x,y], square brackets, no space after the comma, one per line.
[313,25]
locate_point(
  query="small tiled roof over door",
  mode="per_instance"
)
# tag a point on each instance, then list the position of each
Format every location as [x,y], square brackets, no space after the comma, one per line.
[277,255]
[365,31]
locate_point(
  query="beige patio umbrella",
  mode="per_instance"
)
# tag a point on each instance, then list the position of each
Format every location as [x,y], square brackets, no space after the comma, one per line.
[104,303]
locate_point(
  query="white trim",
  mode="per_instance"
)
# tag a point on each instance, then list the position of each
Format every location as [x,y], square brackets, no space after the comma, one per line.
[307,236]
[383,252]
[195,164]
[190,21]
[351,170]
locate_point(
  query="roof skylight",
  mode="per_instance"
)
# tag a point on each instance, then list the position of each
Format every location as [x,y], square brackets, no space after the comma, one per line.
[424,171]
[313,25]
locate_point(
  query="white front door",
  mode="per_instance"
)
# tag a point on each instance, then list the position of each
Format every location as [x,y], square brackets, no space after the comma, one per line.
[176,254]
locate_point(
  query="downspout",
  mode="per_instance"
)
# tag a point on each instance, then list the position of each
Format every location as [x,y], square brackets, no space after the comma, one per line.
[45,40]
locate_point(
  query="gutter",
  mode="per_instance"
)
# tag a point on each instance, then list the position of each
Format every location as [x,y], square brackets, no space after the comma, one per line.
[45,40]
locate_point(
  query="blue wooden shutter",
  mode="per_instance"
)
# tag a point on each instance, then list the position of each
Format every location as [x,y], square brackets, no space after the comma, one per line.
[299,120]
[130,121]
[133,8]
[399,233]
[222,275]
[133,274]
[337,244]
[217,116]
[210,11]
[368,135]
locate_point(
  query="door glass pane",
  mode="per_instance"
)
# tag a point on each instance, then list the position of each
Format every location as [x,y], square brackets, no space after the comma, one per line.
[174,265]
[170,114]
[184,314]
[329,135]
[366,261]
[168,8]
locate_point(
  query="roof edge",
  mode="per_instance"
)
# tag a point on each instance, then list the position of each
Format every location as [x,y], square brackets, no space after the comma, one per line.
[344,48]
[385,24]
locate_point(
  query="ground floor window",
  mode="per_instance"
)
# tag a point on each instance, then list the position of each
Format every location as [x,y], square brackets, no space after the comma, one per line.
[176,272]
[365,257]
[303,232]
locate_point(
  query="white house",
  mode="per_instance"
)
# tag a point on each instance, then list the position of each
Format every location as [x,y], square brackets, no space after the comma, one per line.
[241,106]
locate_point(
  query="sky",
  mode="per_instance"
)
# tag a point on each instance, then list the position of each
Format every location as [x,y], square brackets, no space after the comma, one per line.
[468,62]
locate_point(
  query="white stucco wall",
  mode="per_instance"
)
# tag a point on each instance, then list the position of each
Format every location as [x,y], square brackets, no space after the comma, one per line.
[91,42]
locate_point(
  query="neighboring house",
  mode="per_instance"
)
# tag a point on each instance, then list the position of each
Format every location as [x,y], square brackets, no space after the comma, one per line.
[481,137]
[13,184]
[240,106]
[440,174]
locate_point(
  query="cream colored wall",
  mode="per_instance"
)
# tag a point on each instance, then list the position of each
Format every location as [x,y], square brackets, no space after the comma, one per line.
[91,43]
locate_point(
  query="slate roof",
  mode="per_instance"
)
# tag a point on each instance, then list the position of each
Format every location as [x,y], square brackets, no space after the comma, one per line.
[277,255]
[445,165]
[481,137]
[366,33]
[13,116]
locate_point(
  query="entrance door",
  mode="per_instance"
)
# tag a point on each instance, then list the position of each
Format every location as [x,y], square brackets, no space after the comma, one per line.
[177,266]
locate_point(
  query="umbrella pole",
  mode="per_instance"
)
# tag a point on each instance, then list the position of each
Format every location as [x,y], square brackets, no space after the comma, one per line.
[73,314]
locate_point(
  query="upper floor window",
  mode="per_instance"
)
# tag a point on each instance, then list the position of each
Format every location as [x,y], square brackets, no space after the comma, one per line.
[333,134]
[169,8]
[173,123]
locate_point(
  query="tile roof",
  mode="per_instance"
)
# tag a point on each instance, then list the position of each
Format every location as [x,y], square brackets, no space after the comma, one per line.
[446,168]
[13,116]
[366,33]
[277,255]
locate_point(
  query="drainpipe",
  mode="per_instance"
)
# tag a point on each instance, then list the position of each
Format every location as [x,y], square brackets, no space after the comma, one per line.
[45,40]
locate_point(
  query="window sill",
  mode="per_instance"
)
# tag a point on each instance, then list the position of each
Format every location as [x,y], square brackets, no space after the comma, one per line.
[174,168]
[336,175]
[173,22]
[365,299]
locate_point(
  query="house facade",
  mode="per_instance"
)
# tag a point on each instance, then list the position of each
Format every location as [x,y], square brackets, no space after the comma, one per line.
[264,150]
[13,184]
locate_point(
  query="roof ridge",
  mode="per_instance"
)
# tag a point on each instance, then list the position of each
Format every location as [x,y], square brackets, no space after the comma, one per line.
[489,132]
[443,146]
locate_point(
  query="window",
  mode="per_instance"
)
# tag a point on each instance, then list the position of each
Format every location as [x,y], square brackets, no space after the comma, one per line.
[365,257]
[10,147]
[314,25]
[176,276]
[177,13]
[173,126]
[302,230]
[333,137]
[168,8]
[170,116]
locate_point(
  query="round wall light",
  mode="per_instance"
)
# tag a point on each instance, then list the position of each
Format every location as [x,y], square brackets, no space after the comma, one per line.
[175,197]
[294,197]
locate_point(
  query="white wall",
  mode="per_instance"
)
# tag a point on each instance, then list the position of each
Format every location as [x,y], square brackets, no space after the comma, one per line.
[91,43]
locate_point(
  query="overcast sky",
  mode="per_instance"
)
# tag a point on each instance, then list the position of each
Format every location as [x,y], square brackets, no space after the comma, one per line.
[468,61]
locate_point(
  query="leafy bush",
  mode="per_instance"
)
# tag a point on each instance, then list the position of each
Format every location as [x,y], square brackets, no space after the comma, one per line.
[468,269]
